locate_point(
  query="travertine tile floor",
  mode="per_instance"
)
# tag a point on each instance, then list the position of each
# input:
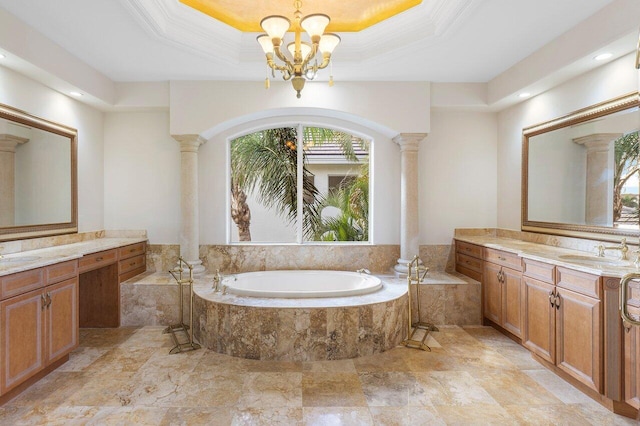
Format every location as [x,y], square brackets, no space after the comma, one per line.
[473,376]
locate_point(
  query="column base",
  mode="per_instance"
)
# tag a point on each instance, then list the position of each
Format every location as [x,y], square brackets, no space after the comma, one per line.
[198,269]
[401,269]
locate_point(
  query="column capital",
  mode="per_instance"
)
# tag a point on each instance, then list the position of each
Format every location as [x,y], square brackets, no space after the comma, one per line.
[189,143]
[8,142]
[597,141]
[409,141]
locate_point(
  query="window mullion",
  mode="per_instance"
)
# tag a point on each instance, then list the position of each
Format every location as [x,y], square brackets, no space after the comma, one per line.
[299,184]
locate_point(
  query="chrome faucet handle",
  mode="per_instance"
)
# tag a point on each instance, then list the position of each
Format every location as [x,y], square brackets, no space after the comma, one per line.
[364,271]
[600,248]
[637,261]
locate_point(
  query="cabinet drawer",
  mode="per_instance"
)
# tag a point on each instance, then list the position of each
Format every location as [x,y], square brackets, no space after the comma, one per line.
[22,282]
[61,271]
[97,260]
[541,271]
[132,250]
[503,258]
[580,282]
[469,262]
[130,264]
[469,249]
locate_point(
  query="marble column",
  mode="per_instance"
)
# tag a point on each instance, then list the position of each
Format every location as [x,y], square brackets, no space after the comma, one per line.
[8,144]
[189,232]
[599,185]
[409,219]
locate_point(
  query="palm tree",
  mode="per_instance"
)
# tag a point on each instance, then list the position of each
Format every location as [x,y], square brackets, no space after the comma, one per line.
[626,165]
[265,163]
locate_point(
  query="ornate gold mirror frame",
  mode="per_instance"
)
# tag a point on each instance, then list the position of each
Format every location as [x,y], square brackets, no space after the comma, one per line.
[24,120]
[597,111]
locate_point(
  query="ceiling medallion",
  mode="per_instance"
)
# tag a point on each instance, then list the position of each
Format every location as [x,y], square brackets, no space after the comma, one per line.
[301,63]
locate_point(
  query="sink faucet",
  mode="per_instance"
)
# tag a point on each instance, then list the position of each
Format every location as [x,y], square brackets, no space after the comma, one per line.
[217,279]
[622,247]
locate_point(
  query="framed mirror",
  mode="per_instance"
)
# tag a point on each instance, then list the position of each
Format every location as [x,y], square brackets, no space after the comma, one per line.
[580,172]
[38,176]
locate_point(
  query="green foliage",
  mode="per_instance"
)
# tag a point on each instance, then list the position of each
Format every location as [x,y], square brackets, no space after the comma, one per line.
[262,163]
[352,223]
[265,163]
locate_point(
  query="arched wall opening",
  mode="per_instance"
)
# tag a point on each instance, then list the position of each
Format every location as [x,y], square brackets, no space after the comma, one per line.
[214,168]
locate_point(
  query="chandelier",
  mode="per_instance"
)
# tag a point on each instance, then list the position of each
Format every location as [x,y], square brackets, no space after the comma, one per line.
[301,65]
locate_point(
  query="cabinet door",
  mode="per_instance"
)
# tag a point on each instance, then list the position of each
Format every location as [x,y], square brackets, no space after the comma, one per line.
[539,319]
[62,319]
[632,362]
[512,301]
[579,337]
[492,293]
[21,339]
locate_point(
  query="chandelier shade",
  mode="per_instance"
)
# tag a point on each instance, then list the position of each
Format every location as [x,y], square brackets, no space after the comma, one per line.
[275,26]
[265,43]
[315,24]
[305,49]
[328,42]
[305,58]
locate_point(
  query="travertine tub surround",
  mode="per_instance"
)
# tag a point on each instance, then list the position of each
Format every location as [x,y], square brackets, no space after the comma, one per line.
[301,329]
[151,299]
[379,259]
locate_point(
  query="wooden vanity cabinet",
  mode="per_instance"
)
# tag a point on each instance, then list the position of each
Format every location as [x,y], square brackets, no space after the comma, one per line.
[100,276]
[469,260]
[38,326]
[502,290]
[563,320]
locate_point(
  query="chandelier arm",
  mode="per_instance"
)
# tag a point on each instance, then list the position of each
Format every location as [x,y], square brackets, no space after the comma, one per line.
[326,59]
[311,55]
[283,58]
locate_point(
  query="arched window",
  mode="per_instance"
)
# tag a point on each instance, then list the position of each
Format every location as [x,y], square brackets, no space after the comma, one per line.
[299,184]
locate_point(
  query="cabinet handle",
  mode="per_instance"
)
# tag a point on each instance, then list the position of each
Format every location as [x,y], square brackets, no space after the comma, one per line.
[132,264]
[49,299]
[99,259]
[44,302]
[557,301]
[502,258]
[132,250]
[552,299]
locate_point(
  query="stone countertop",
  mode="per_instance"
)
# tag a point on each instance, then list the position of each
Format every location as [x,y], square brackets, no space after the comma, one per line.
[582,261]
[32,259]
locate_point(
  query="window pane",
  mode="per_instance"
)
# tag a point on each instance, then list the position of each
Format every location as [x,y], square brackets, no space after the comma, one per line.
[263,186]
[339,164]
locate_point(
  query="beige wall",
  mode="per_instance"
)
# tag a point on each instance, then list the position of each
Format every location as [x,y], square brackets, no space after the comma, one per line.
[614,79]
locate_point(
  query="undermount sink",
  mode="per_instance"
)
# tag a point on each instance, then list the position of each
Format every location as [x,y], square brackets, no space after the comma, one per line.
[19,259]
[593,260]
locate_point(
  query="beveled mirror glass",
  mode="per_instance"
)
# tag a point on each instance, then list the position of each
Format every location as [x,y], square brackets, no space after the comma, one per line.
[38,176]
[580,172]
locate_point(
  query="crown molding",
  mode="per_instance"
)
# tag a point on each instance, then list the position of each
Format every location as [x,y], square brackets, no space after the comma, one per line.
[184,27]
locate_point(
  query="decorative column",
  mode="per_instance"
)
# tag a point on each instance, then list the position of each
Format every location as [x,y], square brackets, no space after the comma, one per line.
[8,144]
[409,219]
[189,233]
[599,185]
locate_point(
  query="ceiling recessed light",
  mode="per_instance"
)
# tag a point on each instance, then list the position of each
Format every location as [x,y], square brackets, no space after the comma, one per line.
[75,93]
[524,94]
[603,56]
